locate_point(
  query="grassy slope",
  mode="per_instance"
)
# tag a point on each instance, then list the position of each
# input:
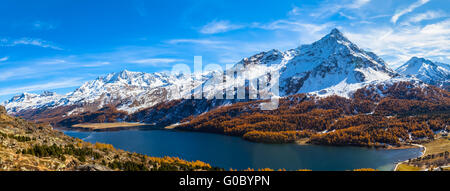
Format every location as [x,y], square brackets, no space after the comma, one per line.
[405,167]
[437,146]
[26,146]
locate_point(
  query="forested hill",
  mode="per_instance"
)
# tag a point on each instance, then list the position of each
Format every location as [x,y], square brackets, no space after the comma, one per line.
[375,116]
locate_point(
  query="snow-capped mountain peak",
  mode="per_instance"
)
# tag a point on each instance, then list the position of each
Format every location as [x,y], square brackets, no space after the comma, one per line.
[331,61]
[430,72]
[335,36]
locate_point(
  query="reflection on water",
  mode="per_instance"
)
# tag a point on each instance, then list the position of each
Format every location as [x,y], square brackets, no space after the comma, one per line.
[234,152]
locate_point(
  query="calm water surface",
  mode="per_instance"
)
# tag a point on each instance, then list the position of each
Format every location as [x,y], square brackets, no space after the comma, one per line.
[234,152]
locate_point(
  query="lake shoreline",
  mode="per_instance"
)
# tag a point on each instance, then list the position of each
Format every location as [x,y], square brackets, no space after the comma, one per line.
[424,150]
[164,142]
[108,127]
[303,141]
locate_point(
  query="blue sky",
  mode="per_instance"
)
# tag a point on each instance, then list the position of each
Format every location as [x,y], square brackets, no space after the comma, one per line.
[59,44]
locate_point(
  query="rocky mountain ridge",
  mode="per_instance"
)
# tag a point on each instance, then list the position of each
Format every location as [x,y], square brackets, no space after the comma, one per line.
[330,66]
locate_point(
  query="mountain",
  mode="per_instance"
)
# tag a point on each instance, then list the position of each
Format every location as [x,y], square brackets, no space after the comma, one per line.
[330,66]
[128,91]
[430,72]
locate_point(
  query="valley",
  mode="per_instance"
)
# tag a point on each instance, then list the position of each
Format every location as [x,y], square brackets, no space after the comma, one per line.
[332,96]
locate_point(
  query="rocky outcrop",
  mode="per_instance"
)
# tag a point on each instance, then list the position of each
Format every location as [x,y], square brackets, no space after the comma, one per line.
[2,110]
[92,167]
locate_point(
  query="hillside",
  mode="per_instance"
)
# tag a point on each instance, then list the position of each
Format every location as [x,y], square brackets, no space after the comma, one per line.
[27,146]
[375,116]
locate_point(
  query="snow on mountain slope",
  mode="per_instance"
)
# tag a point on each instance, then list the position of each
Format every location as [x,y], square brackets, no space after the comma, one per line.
[128,91]
[333,61]
[31,101]
[433,73]
[331,66]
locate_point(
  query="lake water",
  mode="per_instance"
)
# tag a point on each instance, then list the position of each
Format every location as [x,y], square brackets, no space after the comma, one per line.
[233,152]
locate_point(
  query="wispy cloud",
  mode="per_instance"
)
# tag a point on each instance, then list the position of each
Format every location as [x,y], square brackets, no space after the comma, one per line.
[215,27]
[139,5]
[195,41]
[57,84]
[29,42]
[429,15]
[293,25]
[327,9]
[4,59]
[346,16]
[294,11]
[357,4]
[42,25]
[409,9]
[15,73]
[159,62]
[95,64]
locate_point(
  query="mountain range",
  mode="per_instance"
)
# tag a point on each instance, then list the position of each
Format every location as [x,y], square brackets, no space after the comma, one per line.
[330,66]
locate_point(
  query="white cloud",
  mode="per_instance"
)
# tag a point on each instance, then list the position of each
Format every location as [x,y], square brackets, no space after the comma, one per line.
[4,59]
[219,27]
[195,41]
[41,25]
[295,11]
[429,15]
[95,64]
[18,72]
[52,62]
[328,9]
[160,62]
[357,4]
[30,42]
[409,9]
[347,16]
[441,28]
[292,25]
[397,45]
[57,84]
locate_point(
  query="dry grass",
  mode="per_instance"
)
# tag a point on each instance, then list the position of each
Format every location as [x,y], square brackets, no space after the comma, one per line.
[437,146]
[108,125]
[405,167]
